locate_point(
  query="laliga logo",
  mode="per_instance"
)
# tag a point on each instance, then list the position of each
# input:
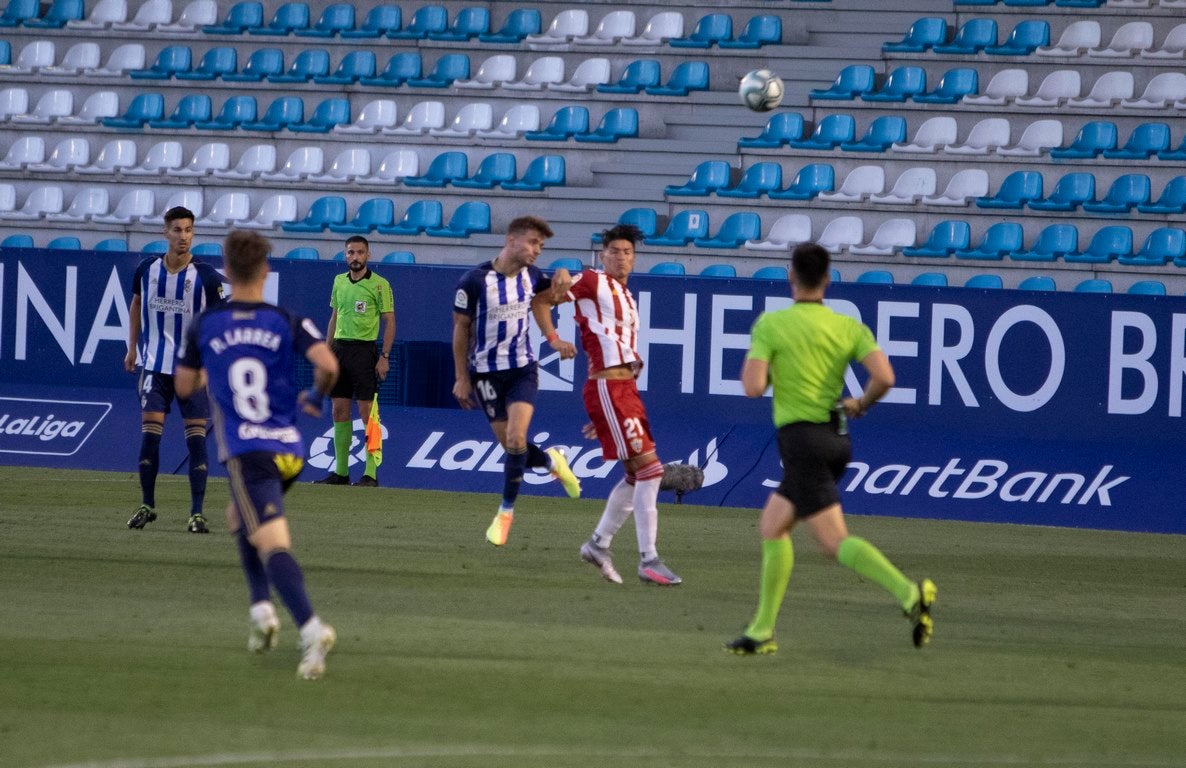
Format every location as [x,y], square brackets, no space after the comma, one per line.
[321,450]
[48,427]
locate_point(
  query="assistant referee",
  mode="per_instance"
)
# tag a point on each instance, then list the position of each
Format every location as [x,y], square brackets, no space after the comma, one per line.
[359,299]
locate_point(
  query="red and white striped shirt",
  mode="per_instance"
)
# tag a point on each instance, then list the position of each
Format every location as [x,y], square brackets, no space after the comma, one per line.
[608,319]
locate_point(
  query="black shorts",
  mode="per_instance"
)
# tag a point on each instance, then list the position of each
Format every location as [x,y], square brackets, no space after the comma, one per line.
[259,480]
[814,457]
[357,379]
[496,389]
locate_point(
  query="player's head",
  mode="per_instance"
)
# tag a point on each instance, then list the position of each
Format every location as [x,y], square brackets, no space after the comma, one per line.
[617,250]
[358,250]
[525,239]
[179,229]
[245,256]
[810,263]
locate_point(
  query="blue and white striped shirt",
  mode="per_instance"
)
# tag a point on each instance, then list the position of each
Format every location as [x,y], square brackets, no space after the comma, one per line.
[500,308]
[168,304]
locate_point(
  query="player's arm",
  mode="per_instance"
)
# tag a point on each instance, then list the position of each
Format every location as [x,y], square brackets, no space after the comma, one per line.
[463,388]
[755,377]
[541,309]
[325,373]
[133,333]
[881,381]
[384,363]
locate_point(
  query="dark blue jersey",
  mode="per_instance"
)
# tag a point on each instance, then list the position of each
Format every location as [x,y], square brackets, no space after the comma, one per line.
[249,351]
[169,301]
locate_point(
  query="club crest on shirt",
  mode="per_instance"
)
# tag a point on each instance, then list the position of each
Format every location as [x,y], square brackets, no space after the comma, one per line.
[189,286]
[360,307]
[636,444]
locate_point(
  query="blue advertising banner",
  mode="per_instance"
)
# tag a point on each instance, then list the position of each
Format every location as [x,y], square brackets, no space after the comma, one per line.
[1028,407]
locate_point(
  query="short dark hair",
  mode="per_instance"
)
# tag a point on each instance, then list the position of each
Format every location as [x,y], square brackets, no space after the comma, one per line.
[358,239]
[810,262]
[178,212]
[245,254]
[622,232]
[524,223]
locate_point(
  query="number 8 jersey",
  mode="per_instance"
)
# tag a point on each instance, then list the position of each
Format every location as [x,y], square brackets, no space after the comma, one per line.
[249,351]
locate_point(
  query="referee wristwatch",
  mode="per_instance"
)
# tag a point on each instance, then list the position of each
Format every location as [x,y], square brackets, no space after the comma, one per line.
[385,355]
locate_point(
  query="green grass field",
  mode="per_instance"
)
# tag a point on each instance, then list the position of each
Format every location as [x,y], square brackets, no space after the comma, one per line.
[127,649]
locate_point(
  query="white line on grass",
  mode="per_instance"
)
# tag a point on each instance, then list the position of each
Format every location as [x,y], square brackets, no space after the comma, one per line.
[479,750]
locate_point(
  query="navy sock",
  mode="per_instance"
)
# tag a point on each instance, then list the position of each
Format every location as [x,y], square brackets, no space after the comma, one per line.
[150,460]
[512,478]
[253,569]
[195,441]
[286,577]
[537,458]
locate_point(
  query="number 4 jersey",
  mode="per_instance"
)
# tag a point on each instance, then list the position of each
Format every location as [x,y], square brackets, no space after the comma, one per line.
[249,352]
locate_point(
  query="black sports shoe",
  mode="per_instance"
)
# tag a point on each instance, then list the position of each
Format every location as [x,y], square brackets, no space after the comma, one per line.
[747,646]
[333,478]
[197,524]
[366,481]
[144,515]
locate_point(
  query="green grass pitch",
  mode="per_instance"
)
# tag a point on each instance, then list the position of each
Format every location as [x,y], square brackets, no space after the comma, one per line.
[126,649]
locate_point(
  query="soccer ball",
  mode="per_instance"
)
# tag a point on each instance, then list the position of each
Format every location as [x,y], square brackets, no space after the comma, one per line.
[761,90]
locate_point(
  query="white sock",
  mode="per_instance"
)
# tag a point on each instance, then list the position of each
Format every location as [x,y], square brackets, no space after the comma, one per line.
[618,507]
[646,516]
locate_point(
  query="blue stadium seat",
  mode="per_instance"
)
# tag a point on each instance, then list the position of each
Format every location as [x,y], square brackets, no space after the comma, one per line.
[288,18]
[955,84]
[900,84]
[876,277]
[1147,288]
[782,128]
[1025,38]
[1127,192]
[759,30]
[5,53]
[638,75]
[683,228]
[263,63]
[1037,283]
[327,114]
[235,111]
[64,243]
[450,67]
[712,28]
[399,257]
[283,112]
[496,168]
[1093,138]
[924,33]
[808,183]
[303,253]
[1075,3]
[17,241]
[1146,140]
[427,20]
[734,231]
[1094,285]
[420,216]
[207,249]
[1172,200]
[443,169]
[688,76]
[239,18]
[999,240]
[972,37]
[646,219]
[1178,153]
[192,109]
[380,20]
[353,67]
[171,60]
[759,179]
[308,64]
[143,107]
[334,20]
[19,12]
[853,80]
[1071,191]
[155,246]
[617,123]
[945,239]
[770,273]
[1107,245]
[470,23]
[571,263]
[883,132]
[400,68]
[708,177]
[521,23]
[60,12]
[471,217]
[543,171]
[1017,190]
[215,63]
[933,279]
[566,123]
[112,245]
[673,268]
[1054,242]
[1162,246]
[719,270]
[830,133]
[324,212]
[371,214]
[985,281]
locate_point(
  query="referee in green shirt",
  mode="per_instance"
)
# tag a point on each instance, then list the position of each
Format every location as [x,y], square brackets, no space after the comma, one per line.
[359,300]
[803,352]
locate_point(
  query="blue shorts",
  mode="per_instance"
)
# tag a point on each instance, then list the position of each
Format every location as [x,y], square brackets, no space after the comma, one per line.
[157,394]
[259,480]
[496,389]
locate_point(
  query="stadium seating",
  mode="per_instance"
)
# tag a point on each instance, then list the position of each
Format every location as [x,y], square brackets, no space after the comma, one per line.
[467,25]
[1146,140]
[875,277]
[520,24]
[934,134]
[617,123]
[971,38]
[1038,137]
[64,157]
[891,236]
[373,117]
[932,279]
[1109,89]
[1127,41]
[1106,245]
[612,28]
[348,165]
[719,270]
[1172,47]
[353,67]
[515,122]
[953,86]
[101,16]
[712,28]
[38,204]
[193,108]
[334,20]
[770,273]
[427,20]
[379,21]
[423,117]
[283,112]
[449,67]
[1127,192]
[78,57]
[398,257]
[1147,288]
[494,71]
[589,74]
[495,169]
[923,34]
[842,233]
[638,75]
[1023,40]
[372,214]
[708,177]
[209,157]
[123,59]
[1171,201]
[645,219]
[782,128]
[659,29]
[1162,246]
[543,171]
[87,202]
[1093,138]
[687,76]
[443,169]
[1037,283]
[17,12]
[985,136]
[64,243]
[149,15]
[1071,191]
[1076,38]
[326,116]
[1016,191]
[471,217]
[992,282]
[323,212]
[400,68]
[288,18]
[421,216]
[829,133]
[111,245]
[394,166]
[788,230]
[860,183]
[1004,87]
[670,268]
[808,183]
[566,122]
[912,185]
[60,12]
[264,63]
[566,26]
[999,240]
[302,163]
[735,230]
[945,239]
[470,119]
[51,106]
[759,179]
[765,29]
[228,210]
[853,80]
[275,210]
[235,111]
[1052,243]
[195,15]
[684,227]
[22,152]
[214,63]
[1094,285]
[1160,92]
[308,64]
[133,206]
[882,133]
[171,60]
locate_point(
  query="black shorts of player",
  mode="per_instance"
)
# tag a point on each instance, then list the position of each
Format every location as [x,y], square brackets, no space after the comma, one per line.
[814,457]
[497,389]
[356,369]
[259,480]
[157,395]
